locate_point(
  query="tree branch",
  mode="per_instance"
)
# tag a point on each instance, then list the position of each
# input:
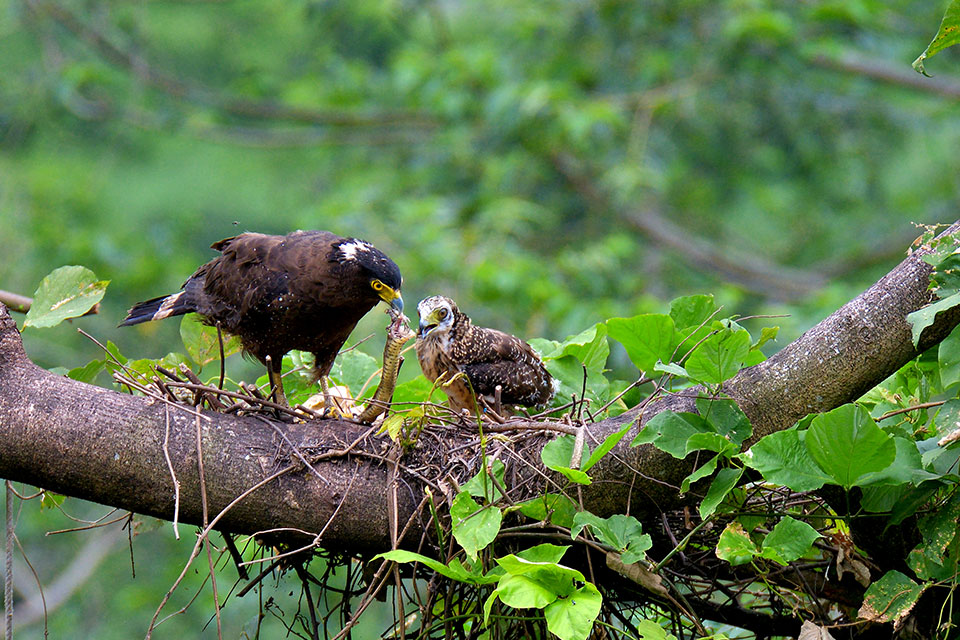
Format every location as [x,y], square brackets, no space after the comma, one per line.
[900,75]
[104,446]
[746,270]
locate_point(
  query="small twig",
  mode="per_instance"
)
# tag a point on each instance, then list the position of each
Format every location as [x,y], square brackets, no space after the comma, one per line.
[173,475]
[259,578]
[206,539]
[223,365]
[305,585]
[583,393]
[168,373]
[8,563]
[193,411]
[15,301]
[36,576]
[635,383]
[916,407]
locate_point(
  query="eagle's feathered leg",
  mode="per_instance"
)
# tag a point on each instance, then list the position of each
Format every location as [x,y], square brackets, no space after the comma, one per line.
[276,383]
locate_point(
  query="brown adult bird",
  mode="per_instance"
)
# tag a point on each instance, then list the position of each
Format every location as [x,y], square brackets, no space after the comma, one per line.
[305,290]
[448,343]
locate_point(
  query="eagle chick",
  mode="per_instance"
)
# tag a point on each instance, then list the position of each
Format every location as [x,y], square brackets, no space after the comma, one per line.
[449,343]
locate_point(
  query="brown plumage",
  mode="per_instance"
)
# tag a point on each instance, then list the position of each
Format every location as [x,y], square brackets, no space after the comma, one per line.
[306,290]
[449,343]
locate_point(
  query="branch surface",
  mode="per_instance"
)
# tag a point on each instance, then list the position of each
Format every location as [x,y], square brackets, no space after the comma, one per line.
[108,447]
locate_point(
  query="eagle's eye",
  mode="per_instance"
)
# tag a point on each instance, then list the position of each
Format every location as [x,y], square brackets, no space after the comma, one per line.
[377,285]
[441,313]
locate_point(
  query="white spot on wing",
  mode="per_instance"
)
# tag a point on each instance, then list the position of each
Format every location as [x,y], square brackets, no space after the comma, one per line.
[350,249]
[167,307]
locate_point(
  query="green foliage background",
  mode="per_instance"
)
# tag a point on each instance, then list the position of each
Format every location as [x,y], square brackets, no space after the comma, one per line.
[132,136]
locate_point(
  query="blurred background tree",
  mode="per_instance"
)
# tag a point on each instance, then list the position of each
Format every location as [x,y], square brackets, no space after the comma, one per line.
[548,165]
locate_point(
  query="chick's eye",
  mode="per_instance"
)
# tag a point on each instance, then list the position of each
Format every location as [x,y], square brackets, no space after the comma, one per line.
[377,285]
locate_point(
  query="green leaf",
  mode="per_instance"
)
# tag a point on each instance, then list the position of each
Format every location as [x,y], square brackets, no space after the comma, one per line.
[789,540]
[880,498]
[622,532]
[948,356]
[572,617]
[947,35]
[906,467]
[670,431]
[847,444]
[544,552]
[558,507]
[723,484]
[672,368]
[691,315]
[356,370]
[783,458]
[719,357]
[418,390]
[51,500]
[766,334]
[936,558]
[725,417]
[589,347]
[474,527]
[67,292]
[924,317]
[147,367]
[890,598]
[201,341]
[650,630]
[711,442]
[608,443]
[648,338]
[455,571]
[692,311]
[557,455]
[945,279]
[735,545]
[570,372]
[482,486]
[701,472]
[88,372]
[525,592]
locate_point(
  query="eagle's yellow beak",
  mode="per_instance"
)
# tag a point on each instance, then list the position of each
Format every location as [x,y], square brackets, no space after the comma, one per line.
[392,298]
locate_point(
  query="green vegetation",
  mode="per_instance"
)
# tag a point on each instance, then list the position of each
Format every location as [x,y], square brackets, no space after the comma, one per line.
[562,170]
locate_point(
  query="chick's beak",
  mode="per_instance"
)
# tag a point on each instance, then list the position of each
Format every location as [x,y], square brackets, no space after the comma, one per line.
[426,325]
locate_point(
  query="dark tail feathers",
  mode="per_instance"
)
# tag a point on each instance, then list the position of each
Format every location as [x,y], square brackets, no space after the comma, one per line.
[158,308]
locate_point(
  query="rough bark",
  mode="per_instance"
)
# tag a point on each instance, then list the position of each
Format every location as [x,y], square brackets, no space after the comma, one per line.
[104,446]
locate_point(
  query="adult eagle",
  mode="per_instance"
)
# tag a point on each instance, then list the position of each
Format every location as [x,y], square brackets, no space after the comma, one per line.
[449,343]
[306,290]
